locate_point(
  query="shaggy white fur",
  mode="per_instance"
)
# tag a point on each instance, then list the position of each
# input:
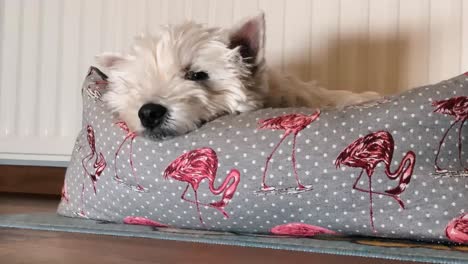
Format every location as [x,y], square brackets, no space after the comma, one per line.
[198,73]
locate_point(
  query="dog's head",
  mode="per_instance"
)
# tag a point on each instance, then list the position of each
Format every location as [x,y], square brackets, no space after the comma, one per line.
[185,75]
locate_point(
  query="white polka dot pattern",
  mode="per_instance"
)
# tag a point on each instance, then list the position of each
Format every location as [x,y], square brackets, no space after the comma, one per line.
[330,202]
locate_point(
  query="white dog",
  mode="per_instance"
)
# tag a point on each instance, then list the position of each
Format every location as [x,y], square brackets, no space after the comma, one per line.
[188,74]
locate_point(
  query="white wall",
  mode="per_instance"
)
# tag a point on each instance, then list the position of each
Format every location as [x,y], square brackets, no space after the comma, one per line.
[47,45]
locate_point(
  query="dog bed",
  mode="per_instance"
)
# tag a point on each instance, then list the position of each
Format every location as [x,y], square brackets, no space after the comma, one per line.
[396,168]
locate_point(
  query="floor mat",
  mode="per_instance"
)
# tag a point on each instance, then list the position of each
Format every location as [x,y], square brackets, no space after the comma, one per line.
[352,246]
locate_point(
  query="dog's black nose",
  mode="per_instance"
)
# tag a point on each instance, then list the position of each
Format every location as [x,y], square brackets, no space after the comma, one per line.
[151,115]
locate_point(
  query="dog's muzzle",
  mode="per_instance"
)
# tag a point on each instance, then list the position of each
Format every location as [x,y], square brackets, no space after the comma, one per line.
[152,115]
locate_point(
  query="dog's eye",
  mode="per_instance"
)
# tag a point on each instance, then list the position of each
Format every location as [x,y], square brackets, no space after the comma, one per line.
[196,76]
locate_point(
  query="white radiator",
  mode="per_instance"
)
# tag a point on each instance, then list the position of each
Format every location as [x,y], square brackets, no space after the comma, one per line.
[46,47]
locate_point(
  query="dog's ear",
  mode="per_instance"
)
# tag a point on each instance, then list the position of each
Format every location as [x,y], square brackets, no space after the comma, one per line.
[109,60]
[249,36]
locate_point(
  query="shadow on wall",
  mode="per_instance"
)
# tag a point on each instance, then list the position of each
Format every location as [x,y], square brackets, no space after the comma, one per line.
[388,64]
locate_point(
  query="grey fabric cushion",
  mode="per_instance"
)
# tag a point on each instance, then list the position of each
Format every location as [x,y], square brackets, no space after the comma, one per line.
[115,174]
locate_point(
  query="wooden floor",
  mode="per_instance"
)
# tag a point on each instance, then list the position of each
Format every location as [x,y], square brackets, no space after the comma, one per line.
[27,246]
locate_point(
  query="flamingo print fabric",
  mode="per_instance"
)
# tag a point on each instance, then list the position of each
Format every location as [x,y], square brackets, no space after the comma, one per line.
[397,168]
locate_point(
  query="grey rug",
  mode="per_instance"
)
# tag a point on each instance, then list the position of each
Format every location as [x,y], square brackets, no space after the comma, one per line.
[352,246]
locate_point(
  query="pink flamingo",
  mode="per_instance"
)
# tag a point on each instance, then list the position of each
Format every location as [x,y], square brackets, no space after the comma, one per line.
[64,193]
[94,91]
[195,166]
[457,107]
[138,220]
[99,164]
[366,152]
[300,230]
[130,136]
[101,82]
[291,124]
[457,229]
